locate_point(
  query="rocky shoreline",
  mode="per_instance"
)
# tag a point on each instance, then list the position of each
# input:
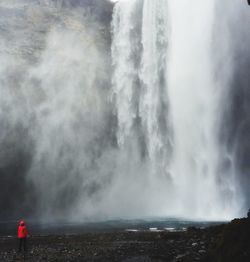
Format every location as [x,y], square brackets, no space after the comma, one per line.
[227,242]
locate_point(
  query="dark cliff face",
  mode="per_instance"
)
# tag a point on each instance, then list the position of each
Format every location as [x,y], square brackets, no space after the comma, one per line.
[231,44]
[240,116]
[102,9]
[239,113]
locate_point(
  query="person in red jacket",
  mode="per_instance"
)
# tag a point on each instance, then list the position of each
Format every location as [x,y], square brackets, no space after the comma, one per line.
[22,235]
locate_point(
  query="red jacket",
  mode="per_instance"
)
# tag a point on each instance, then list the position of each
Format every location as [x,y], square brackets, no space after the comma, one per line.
[22,230]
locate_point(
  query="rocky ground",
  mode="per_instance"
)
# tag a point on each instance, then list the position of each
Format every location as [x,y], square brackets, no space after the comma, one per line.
[228,242]
[120,246]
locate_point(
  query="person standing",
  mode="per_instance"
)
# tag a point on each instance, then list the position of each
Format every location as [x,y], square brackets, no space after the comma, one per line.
[22,235]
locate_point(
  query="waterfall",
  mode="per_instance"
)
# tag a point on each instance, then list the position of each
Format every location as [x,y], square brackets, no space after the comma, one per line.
[165,91]
[154,123]
[139,61]
[153,99]
[124,52]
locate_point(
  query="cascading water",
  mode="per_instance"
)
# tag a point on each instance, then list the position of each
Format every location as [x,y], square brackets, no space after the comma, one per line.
[124,52]
[153,97]
[164,83]
[139,76]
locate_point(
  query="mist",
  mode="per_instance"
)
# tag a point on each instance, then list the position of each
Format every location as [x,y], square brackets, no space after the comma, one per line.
[131,109]
[54,106]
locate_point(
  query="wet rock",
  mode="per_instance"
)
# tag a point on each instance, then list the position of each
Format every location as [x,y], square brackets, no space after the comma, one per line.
[180,256]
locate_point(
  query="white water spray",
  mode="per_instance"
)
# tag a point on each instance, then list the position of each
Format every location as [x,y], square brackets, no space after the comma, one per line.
[139,43]
[164,76]
[124,50]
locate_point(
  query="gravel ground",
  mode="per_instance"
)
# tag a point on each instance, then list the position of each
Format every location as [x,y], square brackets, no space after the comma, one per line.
[119,246]
[218,243]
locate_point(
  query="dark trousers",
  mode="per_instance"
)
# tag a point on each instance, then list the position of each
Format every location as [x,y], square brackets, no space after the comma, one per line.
[22,244]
